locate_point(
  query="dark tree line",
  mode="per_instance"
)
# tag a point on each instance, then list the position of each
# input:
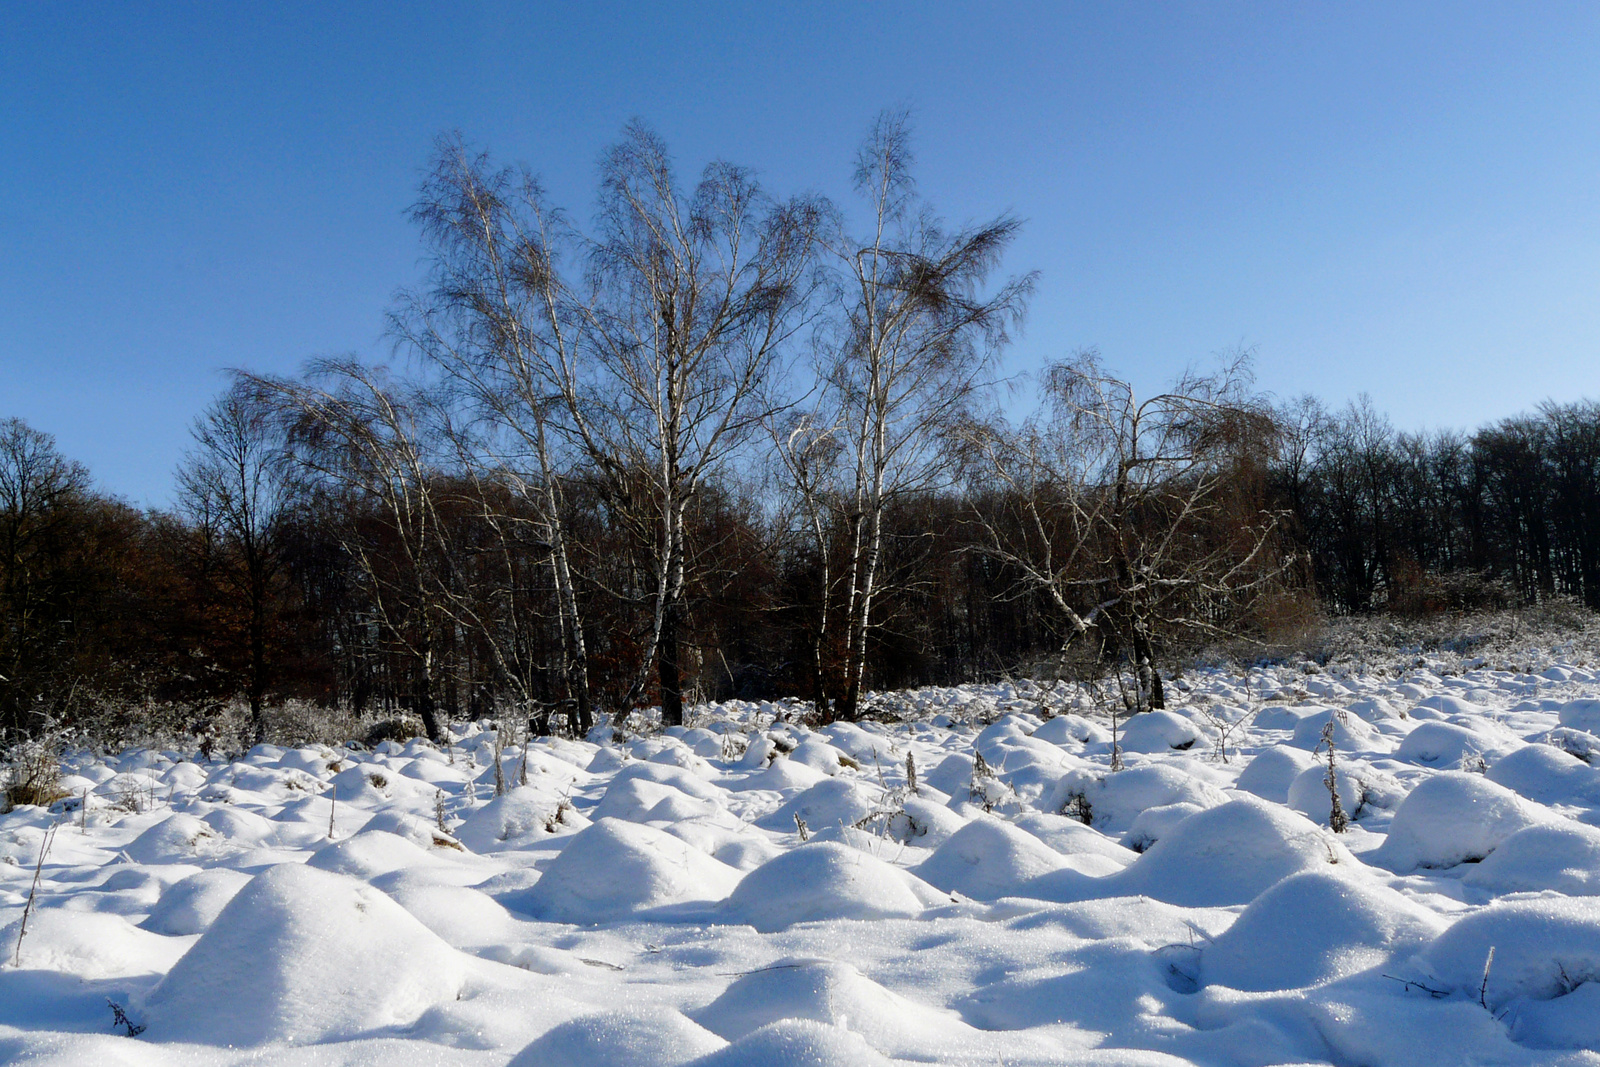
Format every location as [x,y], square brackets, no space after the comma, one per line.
[1431,521]
[721,443]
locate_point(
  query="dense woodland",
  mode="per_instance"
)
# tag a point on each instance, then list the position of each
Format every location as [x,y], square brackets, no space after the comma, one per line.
[720,443]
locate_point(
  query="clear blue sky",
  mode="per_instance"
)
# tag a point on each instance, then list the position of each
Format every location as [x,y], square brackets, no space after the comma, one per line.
[1396,198]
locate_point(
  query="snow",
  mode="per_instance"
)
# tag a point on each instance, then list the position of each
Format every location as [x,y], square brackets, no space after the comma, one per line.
[834,993]
[616,869]
[1314,927]
[1453,818]
[1115,800]
[824,880]
[191,905]
[797,1043]
[987,859]
[1271,773]
[1546,774]
[1542,949]
[303,956]
[1563,857]
[621,1039]
[1159,731]
[654,900]
[1224,855]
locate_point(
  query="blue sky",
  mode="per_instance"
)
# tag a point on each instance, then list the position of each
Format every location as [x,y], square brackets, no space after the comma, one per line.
[1402,199]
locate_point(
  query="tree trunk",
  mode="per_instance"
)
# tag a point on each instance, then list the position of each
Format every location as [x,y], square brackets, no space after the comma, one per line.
[1149,677]
[667,669]
[856,659]
[577,665]
[258,656]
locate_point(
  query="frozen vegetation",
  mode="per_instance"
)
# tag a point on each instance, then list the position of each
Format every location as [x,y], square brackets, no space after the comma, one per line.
[750,891]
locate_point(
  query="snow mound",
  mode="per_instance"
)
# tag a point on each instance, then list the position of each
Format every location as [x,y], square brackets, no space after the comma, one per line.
[669,774]
[178,838]
[797,1043]
[1159,731]
[928,822]
[859,742]
[1564,857]
[783,776]
[299,956]
[817,754]
[1447,746]
[1569,1021]
[364,784]
[1224,855]
[1452,818]
[1350,733]
[192,904]
[1115,800]
[1546,774]
[659,1037]
[1287,717]
[88,945]
[837,994]
[951,775]
[365,856]
[1542,949]
[510,821]
[988,859]
[425,835]
[1581,715]
[1071,730]
[1270,774]
[1154,823]
[464,918]
[1314,927]
[616,869]
[242,828]
[1373,709]
[1452,705]
[824,880]
[1072,838]
[831,802]
[1308,793]
[641,800]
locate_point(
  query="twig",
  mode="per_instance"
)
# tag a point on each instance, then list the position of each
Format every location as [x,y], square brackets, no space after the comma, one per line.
[1483,988]
[119,1017]
[1409,985]
[27,910]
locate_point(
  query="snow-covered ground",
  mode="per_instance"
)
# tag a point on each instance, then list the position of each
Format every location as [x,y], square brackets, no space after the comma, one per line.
[748,891]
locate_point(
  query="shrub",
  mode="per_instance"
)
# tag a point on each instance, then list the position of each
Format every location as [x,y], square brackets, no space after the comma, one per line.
[33,776]
[401,730]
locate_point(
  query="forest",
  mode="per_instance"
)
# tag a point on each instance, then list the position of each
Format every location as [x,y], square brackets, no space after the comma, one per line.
[720,443]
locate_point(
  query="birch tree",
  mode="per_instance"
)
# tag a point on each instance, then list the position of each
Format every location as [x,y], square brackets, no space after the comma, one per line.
[916,338]
[503,325]
[692,299]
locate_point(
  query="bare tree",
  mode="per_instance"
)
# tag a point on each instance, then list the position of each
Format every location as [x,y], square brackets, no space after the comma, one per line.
[1145,519]
[232,487]
[915,339]
[501,322]
[691,302]
[38,486]
[356,435]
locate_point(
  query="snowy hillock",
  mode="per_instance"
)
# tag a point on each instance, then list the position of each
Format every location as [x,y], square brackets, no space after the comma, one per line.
[974,884]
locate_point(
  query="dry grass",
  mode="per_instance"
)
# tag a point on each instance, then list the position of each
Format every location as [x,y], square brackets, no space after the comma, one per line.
[33,776]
